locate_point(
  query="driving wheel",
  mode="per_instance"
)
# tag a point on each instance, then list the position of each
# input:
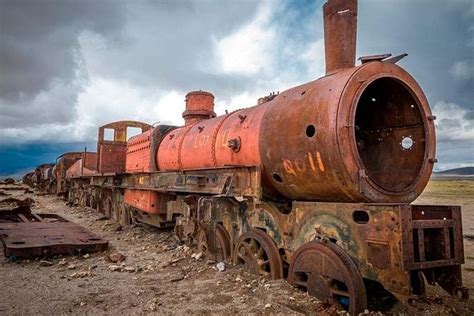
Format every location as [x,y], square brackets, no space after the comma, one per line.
[222,251]
[326,272]
[259,254]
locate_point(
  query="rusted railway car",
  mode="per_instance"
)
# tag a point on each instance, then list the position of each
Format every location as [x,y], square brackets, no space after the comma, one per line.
[313,184]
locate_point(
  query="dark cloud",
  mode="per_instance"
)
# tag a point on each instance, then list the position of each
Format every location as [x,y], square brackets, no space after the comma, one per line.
[51,52]
[40,59]
[169,45]
[436,34]
[448,123]
[454,154]
[469,116]
[39,41]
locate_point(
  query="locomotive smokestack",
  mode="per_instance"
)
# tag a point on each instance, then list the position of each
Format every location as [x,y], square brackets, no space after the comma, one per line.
[199,106]
[340,32]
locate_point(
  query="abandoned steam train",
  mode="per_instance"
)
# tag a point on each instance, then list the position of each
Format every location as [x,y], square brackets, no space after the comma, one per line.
[313,184]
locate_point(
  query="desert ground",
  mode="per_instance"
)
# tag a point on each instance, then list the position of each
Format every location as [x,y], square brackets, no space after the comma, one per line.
[161,276]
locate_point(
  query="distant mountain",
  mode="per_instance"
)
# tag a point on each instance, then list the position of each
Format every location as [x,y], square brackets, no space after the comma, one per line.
[466,171]
[17,175]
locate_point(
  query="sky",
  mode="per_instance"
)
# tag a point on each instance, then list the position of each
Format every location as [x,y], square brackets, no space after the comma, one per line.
[67,67]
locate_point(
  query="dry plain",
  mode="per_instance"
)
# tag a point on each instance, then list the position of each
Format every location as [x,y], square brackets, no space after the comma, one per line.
[159,275]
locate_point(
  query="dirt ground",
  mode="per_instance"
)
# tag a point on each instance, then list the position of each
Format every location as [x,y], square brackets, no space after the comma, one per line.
[161,276]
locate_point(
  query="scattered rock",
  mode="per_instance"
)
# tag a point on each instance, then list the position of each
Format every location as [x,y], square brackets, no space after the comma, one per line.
[62,262]
[238,279]
[81,274]
[45,263]
[115,257]
[129,269]
[183,248]
[9,181]
[86,256]
[177,277]
[117,227]
[210,261]
[268,305]
[71,266]
[469,237]
[220,266]
[196,256]
[115,268]
[172,262]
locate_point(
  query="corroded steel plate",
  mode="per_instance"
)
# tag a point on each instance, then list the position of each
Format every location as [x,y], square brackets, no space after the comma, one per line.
[30,235]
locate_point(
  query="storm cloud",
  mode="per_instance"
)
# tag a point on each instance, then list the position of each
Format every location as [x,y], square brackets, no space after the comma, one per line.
[68,67]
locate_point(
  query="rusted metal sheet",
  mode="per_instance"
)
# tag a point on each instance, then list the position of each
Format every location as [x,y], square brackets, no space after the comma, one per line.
[25,234]
[228,140]
[63,163]
[236,182]
[382,240]
[199,106]
[139,152]
[112,152]
[86,166]
[350,152]
[432,237]
[340,33]
[146,201]
[29,178]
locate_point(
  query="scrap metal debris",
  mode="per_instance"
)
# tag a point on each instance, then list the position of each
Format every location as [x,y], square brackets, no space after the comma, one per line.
[25,234]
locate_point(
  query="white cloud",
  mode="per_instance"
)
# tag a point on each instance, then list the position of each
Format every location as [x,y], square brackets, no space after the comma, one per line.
[107,100]
[451,123]
[463,69]
[314,57]
[101,102]
[248,50]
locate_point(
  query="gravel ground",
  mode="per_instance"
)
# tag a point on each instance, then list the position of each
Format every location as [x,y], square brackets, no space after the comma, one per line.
[158,275]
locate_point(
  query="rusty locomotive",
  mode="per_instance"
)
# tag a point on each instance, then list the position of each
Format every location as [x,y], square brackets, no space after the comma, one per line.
[313,184]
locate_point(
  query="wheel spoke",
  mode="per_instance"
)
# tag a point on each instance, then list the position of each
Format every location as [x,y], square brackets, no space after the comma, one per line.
[339,292]
[253,246]
[301,283]
[242,252]
[262,263]
[242,256]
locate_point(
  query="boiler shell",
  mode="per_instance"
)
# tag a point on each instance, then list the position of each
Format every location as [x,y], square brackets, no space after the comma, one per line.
[324,167]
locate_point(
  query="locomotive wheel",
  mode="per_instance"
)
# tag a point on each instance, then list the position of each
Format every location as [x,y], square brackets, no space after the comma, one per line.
[326,272]
[222,243]
[259,254]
